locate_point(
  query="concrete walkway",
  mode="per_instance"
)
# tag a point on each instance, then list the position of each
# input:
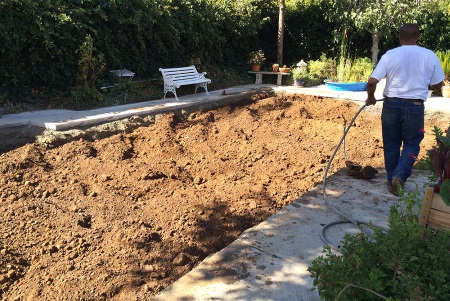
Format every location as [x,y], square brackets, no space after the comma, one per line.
[67,119]
[270,260]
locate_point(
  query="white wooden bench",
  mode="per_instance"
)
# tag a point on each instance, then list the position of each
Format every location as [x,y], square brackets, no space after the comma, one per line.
[177,77]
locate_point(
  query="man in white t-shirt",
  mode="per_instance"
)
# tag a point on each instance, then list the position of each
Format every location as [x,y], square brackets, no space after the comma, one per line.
[410,71]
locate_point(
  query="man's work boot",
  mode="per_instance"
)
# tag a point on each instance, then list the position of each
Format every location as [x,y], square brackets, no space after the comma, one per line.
[397,186]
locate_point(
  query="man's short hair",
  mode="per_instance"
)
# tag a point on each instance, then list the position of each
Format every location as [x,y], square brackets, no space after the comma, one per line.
[409,31]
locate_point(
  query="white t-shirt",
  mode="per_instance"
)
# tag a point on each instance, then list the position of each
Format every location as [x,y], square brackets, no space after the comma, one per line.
[409,70]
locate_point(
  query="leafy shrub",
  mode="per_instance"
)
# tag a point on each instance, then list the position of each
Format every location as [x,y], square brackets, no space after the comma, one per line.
[346,70]
[444,58]
[395,265]
[323,68]
[437,161]
[360,70]
[90,67]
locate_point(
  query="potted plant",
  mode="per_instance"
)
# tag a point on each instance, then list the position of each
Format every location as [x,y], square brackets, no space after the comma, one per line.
[285,69]
[444,58]
[256,59]
[445,89]
[275,67]
[438,161]
[299,73]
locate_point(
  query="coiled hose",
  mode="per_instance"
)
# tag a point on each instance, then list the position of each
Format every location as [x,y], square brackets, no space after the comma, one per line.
[348,219]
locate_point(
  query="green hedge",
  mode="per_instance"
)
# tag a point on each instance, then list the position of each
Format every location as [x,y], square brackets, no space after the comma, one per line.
[41,40]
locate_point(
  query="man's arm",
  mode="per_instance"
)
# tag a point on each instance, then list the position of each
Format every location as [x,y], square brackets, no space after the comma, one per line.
[371,87]
[436,87]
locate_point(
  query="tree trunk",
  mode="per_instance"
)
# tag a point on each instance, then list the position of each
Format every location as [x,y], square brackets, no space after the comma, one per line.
[375,42]
[280,33]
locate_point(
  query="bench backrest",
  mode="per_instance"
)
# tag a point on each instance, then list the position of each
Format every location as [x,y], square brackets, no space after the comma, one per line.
[180,74]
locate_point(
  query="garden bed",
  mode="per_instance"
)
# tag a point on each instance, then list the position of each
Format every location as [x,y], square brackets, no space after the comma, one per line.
[121,218]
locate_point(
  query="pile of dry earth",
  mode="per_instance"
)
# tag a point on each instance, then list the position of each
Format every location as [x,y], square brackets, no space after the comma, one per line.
[121,218]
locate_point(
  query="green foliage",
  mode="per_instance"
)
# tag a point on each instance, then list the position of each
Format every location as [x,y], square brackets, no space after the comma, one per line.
[303,74]
[90,67]
[437,161]
[360,70]
[256,58]
[385,16]
[323,68]
[444,58]
[299,72]
[435,24]
[39,37]
[395,265]
[346,70]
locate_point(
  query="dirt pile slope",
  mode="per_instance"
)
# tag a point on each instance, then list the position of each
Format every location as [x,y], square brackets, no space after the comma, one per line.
[121,218]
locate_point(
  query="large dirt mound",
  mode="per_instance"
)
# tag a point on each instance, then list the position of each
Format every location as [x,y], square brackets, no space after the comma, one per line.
[120,218]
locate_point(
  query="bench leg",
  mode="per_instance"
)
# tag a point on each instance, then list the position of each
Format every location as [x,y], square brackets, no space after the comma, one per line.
[170,89]
[279,78]
[203,85]
[258,79]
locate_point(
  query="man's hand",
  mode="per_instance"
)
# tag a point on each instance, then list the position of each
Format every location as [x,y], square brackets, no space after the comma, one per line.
[371,87]
[370,101]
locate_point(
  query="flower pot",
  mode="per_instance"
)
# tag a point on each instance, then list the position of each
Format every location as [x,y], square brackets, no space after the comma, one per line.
[298,82]
[445,91]
[285,70]
[275,68]
[256,67]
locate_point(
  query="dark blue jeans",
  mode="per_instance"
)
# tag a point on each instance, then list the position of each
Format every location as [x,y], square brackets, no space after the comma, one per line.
[402,121]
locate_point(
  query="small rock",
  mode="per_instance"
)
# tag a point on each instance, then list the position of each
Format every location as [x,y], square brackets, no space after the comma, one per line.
[148,268]
[12,275]
[180,260]
[106,177]
[53,249]
[198,180]
[12,198]
[22,261]
[85,221]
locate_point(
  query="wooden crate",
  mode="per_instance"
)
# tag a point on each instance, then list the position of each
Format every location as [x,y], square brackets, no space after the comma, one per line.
[435,213]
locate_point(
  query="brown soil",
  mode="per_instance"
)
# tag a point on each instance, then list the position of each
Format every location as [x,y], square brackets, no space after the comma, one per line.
[121,218]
